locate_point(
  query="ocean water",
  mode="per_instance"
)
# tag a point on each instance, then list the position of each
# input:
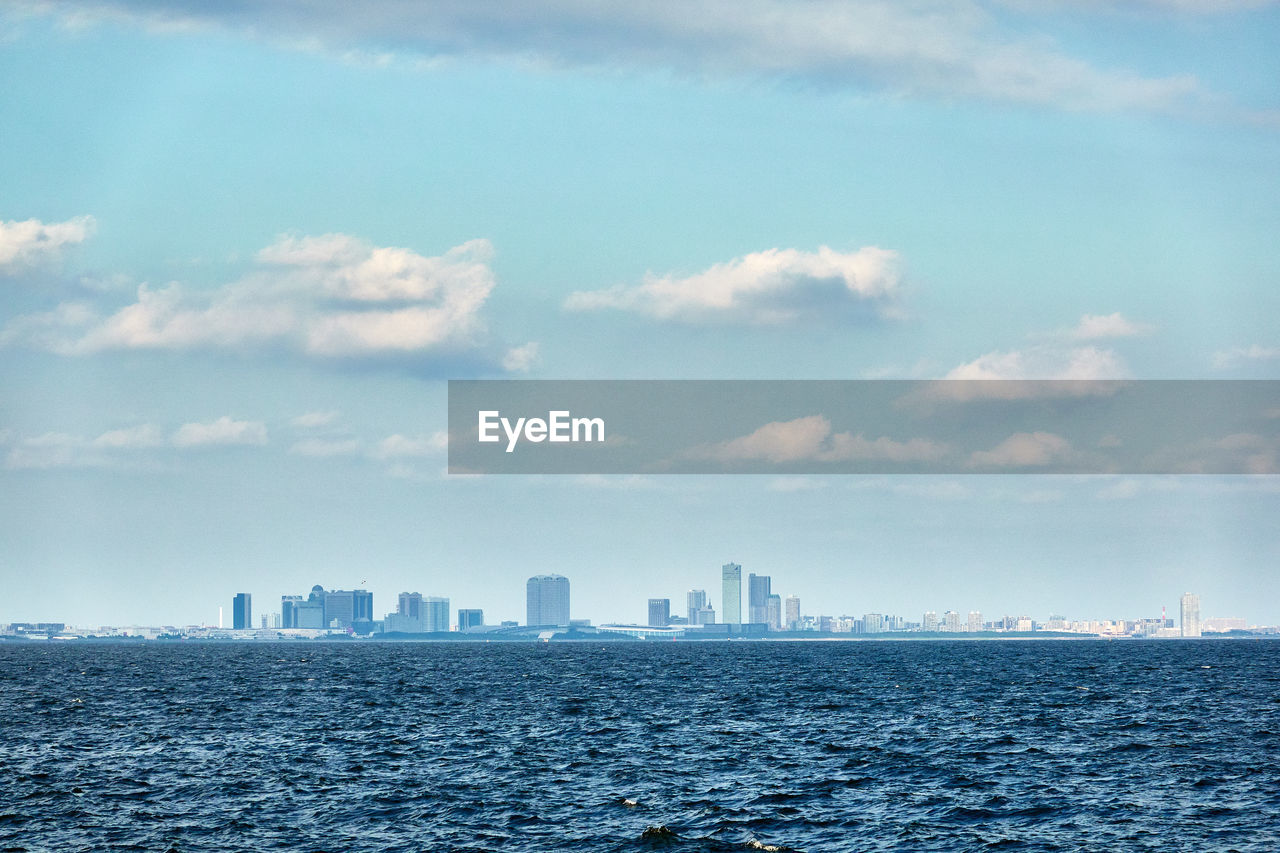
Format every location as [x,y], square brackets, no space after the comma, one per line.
[909,746]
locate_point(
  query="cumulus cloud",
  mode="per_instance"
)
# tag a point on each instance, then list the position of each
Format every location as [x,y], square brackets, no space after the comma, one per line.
[769,287]
[1096,326]
[1044,362]
[30,242]
[313,420]
[330,296]
[401,446]
[222,432]
[1239,355]
[522,358]
[812,439]
[936,48]
[145,435]
[1024,450]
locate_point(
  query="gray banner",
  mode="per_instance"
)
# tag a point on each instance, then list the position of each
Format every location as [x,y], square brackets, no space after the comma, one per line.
[863,427]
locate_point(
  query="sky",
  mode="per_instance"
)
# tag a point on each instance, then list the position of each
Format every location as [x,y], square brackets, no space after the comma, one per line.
[243,249]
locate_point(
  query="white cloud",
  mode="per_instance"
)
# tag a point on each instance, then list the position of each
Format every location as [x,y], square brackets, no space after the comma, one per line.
[811,439]
[323,447]
[1024,449]
[51,450]
[312,420]
[30,242]
[333,295]
[522,358]
[401,446]
[145,435]
[769,287]
[1096,326]
[223,431]
[1044,362]
[936,48]
[1236,355]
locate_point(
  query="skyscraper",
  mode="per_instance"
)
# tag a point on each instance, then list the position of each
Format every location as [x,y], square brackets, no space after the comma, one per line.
[547,600]
[975,622]
[468,619]
[436,613]
[930,622]
[873,623]
[242,611]
[659,612]
[731,594]
[410,605]
[758,589]
[1190,621]
[773,612]
[696,600]
[793,613]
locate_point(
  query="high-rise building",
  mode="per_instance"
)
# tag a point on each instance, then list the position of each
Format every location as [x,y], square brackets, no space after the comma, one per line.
[773,612]
[410,605]
[975,622]
[930,621]
[288,612]
[361,606]
[547,600]
[468,619]
[344,607]
[793,613]
[951,621]
[659,612]
[731,594]
[758,590]
[696,600]
[435,613]
[310,613]
[1190,621]
[242,611]
[873,623]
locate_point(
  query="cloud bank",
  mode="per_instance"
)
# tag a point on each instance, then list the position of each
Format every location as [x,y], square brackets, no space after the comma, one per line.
[772,287]
[31,242]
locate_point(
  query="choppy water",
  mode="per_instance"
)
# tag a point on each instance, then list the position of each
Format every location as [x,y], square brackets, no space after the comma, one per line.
[715,746]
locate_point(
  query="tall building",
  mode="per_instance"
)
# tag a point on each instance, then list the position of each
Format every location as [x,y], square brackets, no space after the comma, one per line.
[468,619]
[951,621]
[547,600]
[696,600]
[288,613]
[758,589]
[659,612]
[975,622]
[343,608]
[435,613]
[242,611]
[731,594]
[930,621]
[1190,621]
[793,613]
[410,605]
[773,612]
[873,623]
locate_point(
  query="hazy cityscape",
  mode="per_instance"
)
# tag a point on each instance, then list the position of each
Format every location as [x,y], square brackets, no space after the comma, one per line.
[764,614]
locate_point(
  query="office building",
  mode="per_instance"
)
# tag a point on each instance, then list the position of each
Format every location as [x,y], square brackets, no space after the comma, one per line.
[1190,621]
[435,613]
[731,594]
[468,619]
[288,612]
[696,600]
[547,600]
[410,605]
[758,590]
[792,620]
[242,611]
[773,612]
[659,612]
[344,608]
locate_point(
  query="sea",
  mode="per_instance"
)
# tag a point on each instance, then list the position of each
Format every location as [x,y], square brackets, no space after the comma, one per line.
[677,746]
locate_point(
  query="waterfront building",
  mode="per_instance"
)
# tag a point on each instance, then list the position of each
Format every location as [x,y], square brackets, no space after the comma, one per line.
[773,612]
[435,613]
[951,622]
[410,605]
[1190,621]
[758,590]
[872,623]
[468,619]
[706,616]
[793,613]
[659,612]
[696,600]
[288,612]
[547,600]
[1023,624]
[975,621]
[930,622]
[242,611]
[731,594]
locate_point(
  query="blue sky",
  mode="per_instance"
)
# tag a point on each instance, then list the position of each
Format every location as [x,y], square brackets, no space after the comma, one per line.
[243,249]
